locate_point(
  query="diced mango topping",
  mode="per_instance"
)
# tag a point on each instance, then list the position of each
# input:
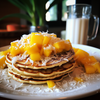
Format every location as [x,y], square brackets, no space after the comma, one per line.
[46,40]
[2,62]
[4,52]
[38,45]
[3,58]
[89,59]
[59,46]
[36,38]
[35,56]
[90,63]
[50,83]
[62,46]
[75,49]
[78,79]
[47,52]
[97,66]
[32,49]
[14,51]
[14,44]
[80,54]
[41,51]
[22,49]
[68,45]
[89,68]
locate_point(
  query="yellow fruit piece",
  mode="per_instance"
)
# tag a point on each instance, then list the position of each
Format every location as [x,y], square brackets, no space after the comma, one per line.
[15,51]
[46,40]
[32,48]
[62,46]
[2,61]
[59,46]
[36,38]
[14,43]
[22,50]
[80,54]
[90,69]
[50,83]
[78,79]
[35,56]
[47,52]
[68,45]
[90,63]
[89,59]
[75,49]
[36,33]
[4,52]
[41,51]
[1,53]
[97,66]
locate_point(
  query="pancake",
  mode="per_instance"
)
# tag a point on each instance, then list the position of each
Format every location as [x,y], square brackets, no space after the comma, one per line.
[31,80]
[46,62]
[37,58]
[43,72]
[56,68]
[39,78]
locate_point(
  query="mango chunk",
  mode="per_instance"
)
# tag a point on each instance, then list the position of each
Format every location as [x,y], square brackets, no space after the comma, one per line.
[41,51]
[97,66]
[62,46]
[78,79]
[80,54]
[75,49]
[46,40]
[59,46]
[68,45]
[32,48]
[2,62]
[14,43]
[47,52]
[50,83]
[90,63]
[90,69]
[36,38]
[89,59]
[14,51]
[35,56]
[4,52]
[22,49]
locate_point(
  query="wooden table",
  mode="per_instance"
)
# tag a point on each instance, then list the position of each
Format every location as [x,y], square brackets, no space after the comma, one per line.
[94,43]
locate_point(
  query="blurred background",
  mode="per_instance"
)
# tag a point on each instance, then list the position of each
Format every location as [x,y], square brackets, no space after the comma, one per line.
[55,19]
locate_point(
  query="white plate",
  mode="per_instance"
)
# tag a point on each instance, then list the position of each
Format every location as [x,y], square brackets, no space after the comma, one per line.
[82,91]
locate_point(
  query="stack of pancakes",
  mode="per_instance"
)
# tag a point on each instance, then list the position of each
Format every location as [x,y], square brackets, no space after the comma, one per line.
[55,67]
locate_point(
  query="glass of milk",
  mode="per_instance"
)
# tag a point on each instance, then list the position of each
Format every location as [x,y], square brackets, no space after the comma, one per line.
[77,24]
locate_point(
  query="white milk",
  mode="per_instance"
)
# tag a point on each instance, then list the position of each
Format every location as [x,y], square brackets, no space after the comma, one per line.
[77,30]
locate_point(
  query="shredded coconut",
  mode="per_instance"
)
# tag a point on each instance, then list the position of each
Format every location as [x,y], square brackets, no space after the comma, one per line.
[14,59]
[31,61]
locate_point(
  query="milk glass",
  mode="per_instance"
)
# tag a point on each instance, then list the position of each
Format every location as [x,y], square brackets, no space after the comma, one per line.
[77,24]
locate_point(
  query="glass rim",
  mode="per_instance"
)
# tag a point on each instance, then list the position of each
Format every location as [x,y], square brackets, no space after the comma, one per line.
[83,5]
